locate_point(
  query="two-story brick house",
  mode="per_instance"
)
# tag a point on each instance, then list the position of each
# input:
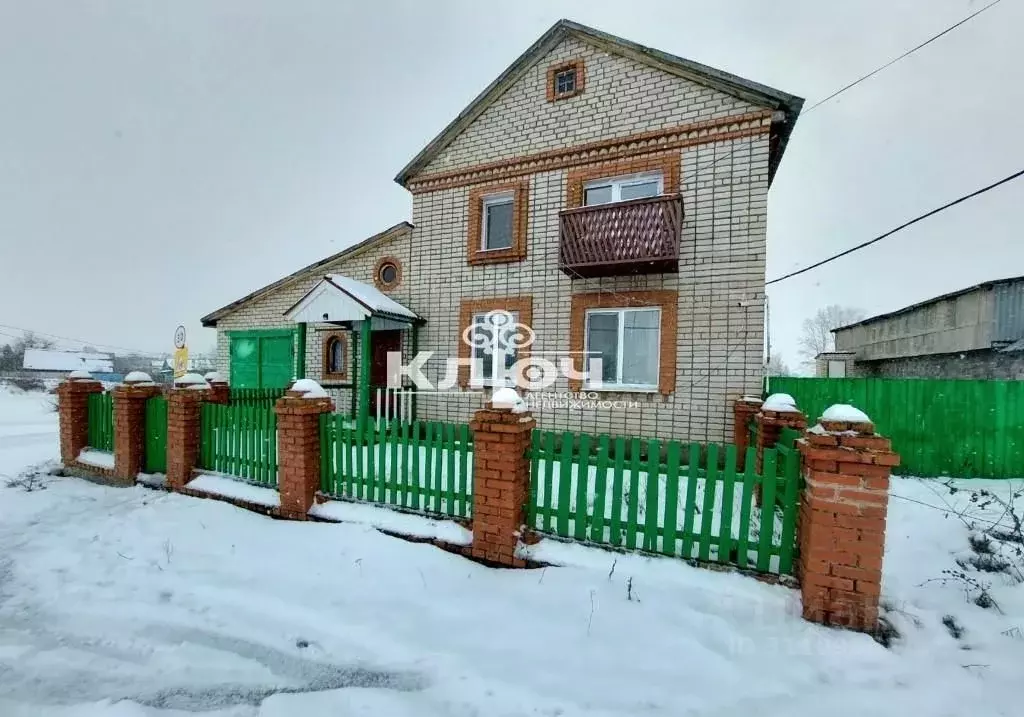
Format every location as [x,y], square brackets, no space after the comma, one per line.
[608,195]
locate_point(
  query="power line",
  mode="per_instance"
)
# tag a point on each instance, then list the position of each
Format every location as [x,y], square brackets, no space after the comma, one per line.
[890,63]
[893,61]
[889,233]
[79,341]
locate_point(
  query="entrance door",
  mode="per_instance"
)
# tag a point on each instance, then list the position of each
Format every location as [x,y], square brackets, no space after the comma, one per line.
[381,344]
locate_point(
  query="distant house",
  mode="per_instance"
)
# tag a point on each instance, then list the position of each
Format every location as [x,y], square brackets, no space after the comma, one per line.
[977,332]
[51,362]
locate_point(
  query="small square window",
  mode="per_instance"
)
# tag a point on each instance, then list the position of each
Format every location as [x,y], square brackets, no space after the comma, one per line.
[565,81]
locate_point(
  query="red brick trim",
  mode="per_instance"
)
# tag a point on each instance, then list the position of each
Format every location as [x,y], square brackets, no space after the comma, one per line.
[520,217]
[380,283]
[574,64]
[667,163]
[689,135]
[467,307]
[329,339]
[667,300]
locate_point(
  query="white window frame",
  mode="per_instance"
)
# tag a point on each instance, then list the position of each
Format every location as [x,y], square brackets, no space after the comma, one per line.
[564,71]
[617,183]
[493,200]
[836,368]
[499,375]
[617,385]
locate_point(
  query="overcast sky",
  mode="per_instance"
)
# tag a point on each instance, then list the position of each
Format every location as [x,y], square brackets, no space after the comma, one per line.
[160,159]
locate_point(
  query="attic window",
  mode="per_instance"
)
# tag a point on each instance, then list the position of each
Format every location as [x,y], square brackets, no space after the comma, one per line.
[388,273]
[565,80]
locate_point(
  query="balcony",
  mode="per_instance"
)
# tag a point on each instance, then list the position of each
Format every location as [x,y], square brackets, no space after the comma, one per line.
[639,236]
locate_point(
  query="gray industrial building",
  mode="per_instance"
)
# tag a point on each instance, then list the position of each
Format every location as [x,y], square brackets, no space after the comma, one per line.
[977,332]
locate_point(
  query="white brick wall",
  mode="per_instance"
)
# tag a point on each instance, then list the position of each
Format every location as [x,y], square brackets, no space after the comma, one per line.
[721,275]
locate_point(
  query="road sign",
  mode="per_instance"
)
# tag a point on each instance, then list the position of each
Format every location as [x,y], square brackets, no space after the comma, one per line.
[179,337]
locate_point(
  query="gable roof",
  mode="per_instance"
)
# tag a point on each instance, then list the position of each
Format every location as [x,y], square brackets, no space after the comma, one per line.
[400,229]
[788,105]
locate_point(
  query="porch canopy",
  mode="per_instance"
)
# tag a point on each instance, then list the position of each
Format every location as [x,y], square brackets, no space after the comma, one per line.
[342,301]
[337,299]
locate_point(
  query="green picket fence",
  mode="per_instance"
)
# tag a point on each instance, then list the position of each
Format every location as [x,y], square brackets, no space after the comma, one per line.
[156,435]
[420,466]
[100,416]
[239,441]
[958,428]
[259,397]
[686,501]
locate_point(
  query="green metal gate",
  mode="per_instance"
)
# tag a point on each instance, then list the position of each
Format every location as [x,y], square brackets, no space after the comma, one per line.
[156,435]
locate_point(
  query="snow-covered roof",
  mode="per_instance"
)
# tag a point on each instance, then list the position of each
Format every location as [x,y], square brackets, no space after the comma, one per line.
[53,360]
[339,298]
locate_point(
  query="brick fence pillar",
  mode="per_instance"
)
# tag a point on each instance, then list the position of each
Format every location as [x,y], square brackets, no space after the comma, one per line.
[183,433]
[743,410]
[841,528]
[770,422]
[298,452]
[130,428]
[220,392]
[501,482]
[73,410]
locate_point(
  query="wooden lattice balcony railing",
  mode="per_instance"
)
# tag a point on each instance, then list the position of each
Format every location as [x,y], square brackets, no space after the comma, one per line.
[639,236]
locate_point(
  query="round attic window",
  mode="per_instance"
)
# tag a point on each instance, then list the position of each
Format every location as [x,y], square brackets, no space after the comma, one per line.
[389,273]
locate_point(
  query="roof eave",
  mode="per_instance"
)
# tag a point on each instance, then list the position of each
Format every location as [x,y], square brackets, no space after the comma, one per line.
[210,320]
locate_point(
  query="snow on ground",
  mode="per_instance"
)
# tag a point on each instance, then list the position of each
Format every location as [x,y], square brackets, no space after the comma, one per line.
[129,602]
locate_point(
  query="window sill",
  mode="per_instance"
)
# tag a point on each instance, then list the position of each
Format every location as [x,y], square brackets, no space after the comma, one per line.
[496,256]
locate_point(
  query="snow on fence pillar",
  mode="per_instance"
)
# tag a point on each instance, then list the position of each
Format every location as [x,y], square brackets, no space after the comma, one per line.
[841,529]
[777,412]
[129,401]
[183,404]
[73,409]
[220,392]
[298,440]
[501,477]
[743,410]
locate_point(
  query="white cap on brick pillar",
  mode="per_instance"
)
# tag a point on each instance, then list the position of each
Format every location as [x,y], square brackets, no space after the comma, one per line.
[309,388]
[845,413]
[80,375]
[506,397]
[138,378]
[781,402]
[214,377]
[191,380]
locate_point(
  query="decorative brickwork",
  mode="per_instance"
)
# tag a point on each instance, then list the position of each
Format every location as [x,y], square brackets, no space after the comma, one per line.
[667,301]
[501,481]
[73,409]
[690,135]
[576,64]
[130,429]
[183,433]
[378,280]
[298,452]
[475,252]
[668,163]
[522,305]
[841,528]
[743,411]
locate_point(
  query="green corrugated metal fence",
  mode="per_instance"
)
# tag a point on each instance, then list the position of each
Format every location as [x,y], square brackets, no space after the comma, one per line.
[240,441]
[960,428]
[100,413]
[426,467]
[687,501]
[156,435]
